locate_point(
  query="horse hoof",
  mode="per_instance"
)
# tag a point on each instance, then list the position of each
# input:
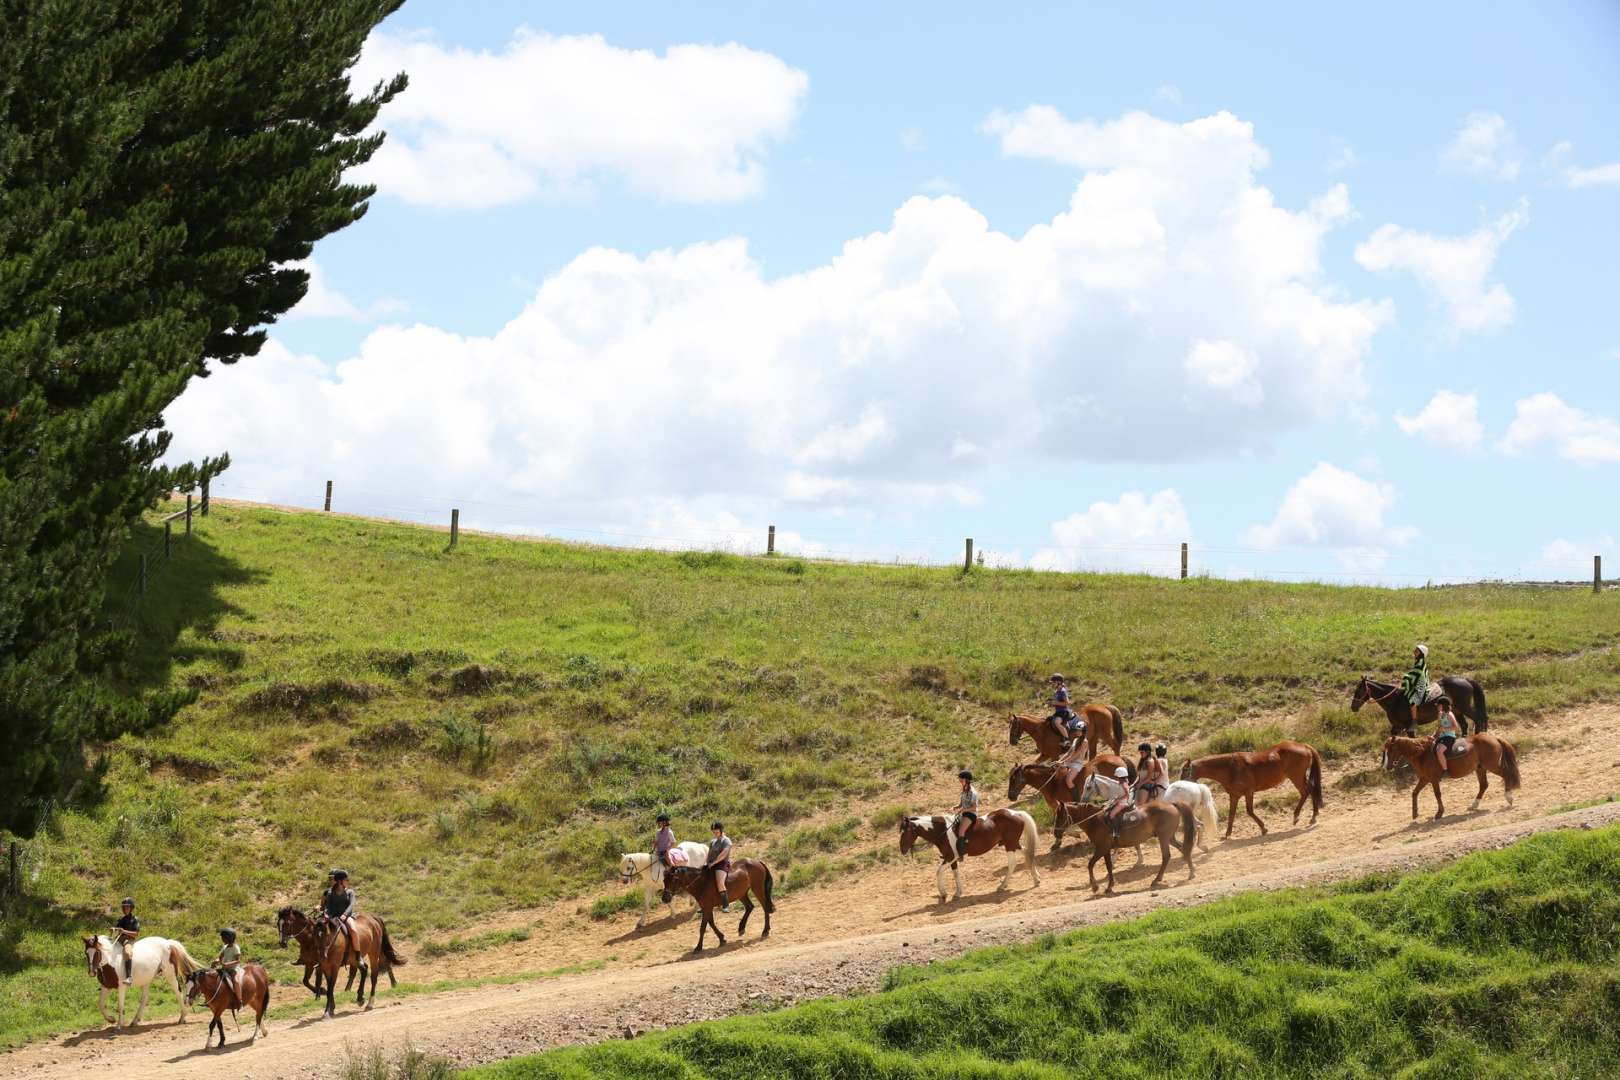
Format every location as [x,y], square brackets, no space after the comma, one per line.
[368,1006]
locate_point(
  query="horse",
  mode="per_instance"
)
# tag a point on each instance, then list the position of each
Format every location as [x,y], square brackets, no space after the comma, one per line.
[252,991]
[1157,819]
[370,949]
[1008,829]
[1246,772]
[746,876]
[1061,782]
[1484,753]
[151,958]
[294,925]
[642,864]
[1189,793]
[1467,697]
[1102,721]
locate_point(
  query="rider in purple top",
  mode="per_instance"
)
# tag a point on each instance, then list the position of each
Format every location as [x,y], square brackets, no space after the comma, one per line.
[664,840]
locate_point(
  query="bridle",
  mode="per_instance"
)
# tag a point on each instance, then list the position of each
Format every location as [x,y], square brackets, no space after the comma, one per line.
[1364,693]
[94,961]
[281,926]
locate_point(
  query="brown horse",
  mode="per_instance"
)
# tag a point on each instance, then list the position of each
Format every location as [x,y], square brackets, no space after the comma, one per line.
[1481,753]
[1158,819]
[251,991]
[369,948]
[1061,783]
[294,925]
[747,876]
[1006,829]
[1465,695]
[1102,721]
[1246,772]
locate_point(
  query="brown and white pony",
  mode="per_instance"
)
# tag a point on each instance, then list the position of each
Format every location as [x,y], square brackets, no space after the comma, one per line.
[1006,829]
[152,958]
[251,991]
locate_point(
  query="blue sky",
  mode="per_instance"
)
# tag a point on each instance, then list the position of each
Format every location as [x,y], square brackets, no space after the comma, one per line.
[645,272]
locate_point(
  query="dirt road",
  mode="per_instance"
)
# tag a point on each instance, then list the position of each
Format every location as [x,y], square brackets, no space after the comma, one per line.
[842,938]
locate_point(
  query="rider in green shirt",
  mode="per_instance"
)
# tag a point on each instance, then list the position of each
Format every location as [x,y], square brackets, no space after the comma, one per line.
[229,959]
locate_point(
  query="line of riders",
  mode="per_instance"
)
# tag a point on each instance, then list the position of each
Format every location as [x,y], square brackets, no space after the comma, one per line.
[337,905]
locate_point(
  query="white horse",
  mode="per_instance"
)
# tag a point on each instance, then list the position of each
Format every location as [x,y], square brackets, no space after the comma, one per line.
[1189,793]
[151,958]
[641,864]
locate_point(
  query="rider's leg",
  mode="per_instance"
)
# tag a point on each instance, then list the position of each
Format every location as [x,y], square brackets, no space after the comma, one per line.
[129,962]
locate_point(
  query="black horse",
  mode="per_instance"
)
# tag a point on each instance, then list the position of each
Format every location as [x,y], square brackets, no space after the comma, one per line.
[1467,699]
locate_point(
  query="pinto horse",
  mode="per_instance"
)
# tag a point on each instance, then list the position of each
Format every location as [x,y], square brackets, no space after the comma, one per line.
[252,991]
[1006,829]
[747,876]
[1158,820]
[370,949]
[1485,754]
[1245,772]
[1059,783]
[152,959]
[1466,695]
[1102,721]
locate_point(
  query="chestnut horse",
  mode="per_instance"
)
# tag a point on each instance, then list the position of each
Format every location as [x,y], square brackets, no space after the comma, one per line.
[252,991]
[1483,754]
[1061,783]
[1245,772]
[1006,829]
[746,876]
[1467,698]
[1102,721]
[370,949]
[1156,819]
[294,925]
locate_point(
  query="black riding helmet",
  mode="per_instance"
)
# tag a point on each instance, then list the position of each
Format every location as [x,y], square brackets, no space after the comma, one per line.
[128,901]
[1144,748]
[663,819]
[1056,676]
[227,935]
[339,875]
[718,825]
[1161,750]
[965,775]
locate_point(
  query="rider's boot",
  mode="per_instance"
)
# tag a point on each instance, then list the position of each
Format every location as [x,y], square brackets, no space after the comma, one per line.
[961,845]
[129,967]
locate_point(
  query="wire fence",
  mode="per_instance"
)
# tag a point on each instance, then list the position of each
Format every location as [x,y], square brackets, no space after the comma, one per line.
[504,515]
[152,560]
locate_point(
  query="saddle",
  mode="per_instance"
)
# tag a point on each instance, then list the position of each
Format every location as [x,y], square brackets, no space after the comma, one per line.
[1134,816]
[1458,748]
[1431,693]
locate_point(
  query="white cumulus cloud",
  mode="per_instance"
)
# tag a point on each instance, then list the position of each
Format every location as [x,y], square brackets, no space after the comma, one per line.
[1449,420]
[894,375]
[1597,176]
[1573,433]
[1133,532]
[324,301]
[1330,507]
[1485,145]
[1452,269]
[549,113]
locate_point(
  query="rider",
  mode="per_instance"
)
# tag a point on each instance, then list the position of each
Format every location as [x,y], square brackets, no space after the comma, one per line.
[720,862]
[1415,683]
[1446,733]
[1122,801]
[1068,725]
[967,810]
[663,841]
[337,903]
[1152,774]
[228,960]
[125,931]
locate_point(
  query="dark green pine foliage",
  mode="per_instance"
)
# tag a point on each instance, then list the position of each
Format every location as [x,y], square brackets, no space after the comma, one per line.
[159,160]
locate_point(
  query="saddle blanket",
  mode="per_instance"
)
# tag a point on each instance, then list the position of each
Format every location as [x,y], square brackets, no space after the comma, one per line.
[676,857]
[1431,693]
[1458,748]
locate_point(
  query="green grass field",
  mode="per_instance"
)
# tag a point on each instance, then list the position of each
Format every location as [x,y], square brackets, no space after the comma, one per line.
[494,724]
[1501,965]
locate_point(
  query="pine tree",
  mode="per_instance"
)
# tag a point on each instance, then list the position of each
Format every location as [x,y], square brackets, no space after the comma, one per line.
[161,161]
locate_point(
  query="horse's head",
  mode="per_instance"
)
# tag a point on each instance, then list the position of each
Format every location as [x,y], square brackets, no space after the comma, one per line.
[1187,770]
[1389,759]
[1093,789]
[627,869]
[1362,695]
[290,922]
[1015,730]
[678,877]
[1015,782]
[92,954]
[909,831]
[198,983]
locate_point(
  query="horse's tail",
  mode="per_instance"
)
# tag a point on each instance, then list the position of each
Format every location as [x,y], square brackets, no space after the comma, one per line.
[1119,728]
[1314,780]
[1510,766]
[184,963]
[1208,810]
[765,900]
[1031,835]
[1189,829]
[387,946]
[1482,723]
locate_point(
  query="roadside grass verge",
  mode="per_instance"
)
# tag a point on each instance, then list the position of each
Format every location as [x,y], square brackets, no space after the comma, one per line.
[1500,965]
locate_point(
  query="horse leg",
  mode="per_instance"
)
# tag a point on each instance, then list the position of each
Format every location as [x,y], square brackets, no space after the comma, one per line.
[1108,861]
[1484,782]
[1417,788]
[1164,860]
[375,975]
[748,909]
[1439,803]
[1091,867]
[1231,815]
[646,903]
[121,989]
[939,880]
[1248,804]
[140,1007]
[1304,793]
[1012,861]
[101,1003]
[331,983]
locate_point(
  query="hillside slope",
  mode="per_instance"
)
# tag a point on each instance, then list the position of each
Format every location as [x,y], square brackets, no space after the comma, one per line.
[484,729]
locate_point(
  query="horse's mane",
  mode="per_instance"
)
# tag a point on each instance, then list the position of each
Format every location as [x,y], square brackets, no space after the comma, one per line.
[289,912]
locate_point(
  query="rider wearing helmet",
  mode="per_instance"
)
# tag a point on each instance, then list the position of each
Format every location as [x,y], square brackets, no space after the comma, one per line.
[1122,801]
[663,841]
[1152,774]
[228,960]
[720,861]
[967,811]
[1068,725]
[337,903]
[125,931]
[1415,683]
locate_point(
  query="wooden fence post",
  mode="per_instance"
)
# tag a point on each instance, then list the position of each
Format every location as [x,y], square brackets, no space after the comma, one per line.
[1184,561]
[328,505]
[140,582]
[188,513]
[205,499]
[455,526]
[1597,573]
[967,559]
[168,536]
[770,541]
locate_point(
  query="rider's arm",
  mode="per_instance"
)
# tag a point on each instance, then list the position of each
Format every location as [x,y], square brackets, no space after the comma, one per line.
[349,910]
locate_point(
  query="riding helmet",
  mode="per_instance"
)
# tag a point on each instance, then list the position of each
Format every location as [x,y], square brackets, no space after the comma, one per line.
[1056,676]
[663,819]
[1121,773]
[1161,750]
[340,875]
[1145,748]
[965,775]
[718,825]
[228,935]
[128,901]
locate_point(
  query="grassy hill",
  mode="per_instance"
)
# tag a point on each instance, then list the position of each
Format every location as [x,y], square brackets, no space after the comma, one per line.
[1501,965]
[485,728]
